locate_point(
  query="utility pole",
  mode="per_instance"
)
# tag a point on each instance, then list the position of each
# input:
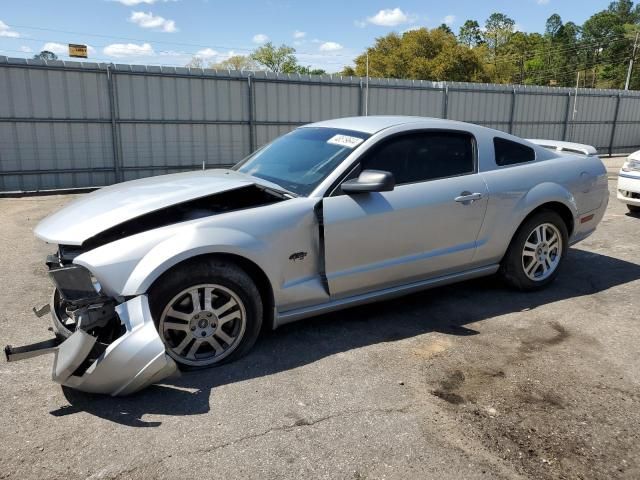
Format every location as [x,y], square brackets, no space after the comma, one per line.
[575,99]
[575,106]
[366,94]
[633,56]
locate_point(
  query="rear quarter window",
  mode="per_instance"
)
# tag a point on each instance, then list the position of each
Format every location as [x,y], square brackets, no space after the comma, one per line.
[512,153]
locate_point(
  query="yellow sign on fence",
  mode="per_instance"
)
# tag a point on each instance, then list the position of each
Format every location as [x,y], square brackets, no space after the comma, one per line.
[79,51]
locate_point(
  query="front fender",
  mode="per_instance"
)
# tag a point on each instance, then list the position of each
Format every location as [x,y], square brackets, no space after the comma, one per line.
[178,248]
[129,266]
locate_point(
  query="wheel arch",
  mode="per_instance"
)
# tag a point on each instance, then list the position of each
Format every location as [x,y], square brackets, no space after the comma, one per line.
[560,208]
[255,272]
[555,206]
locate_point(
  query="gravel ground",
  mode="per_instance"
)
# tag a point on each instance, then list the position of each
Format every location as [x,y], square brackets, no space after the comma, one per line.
[466,381]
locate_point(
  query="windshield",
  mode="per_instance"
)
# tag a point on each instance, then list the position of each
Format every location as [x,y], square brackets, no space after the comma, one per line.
[300,160]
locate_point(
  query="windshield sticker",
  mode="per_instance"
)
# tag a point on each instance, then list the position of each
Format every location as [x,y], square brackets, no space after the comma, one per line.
[345,141]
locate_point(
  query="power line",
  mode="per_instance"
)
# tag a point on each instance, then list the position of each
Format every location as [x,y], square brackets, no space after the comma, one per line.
[541,50]
[571,70]
[162,42]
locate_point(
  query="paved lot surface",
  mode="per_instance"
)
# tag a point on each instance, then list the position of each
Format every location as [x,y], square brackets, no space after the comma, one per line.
[467,381]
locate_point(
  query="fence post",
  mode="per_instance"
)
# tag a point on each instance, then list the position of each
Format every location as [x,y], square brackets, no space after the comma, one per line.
[361,100]
[115,135]
[445,102]
[513,109]
[252,139]
[615,124]
[566,118]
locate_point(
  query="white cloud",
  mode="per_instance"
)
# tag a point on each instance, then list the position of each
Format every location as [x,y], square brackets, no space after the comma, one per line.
[26,49]
[298,34]
[260,38]
[57,48]
[207,53]
[149,20]
[120,50]
[449,20]
[330,47]
[5,31]
[389,17]
[542,2]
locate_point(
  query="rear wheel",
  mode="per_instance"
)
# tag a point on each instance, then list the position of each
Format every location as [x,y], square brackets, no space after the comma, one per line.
[208,312]
[633,208]
[536,252]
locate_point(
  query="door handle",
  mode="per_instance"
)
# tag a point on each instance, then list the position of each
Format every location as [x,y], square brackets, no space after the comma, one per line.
[467,198]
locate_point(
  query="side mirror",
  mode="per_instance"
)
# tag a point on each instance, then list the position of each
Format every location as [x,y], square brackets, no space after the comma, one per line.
[370,181]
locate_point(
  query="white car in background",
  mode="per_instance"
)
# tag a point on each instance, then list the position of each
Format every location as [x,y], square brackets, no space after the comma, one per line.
[629,183]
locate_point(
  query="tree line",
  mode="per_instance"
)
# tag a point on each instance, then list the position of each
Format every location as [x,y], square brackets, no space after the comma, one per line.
[598,51]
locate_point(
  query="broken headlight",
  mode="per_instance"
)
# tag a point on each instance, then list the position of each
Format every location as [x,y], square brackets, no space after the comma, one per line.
[74,283]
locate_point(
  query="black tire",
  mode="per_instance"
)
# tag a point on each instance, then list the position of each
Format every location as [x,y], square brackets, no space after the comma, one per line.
[512,267]
[208,271]
[633,208]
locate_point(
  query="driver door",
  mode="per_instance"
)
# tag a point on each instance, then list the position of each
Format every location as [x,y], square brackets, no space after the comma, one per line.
[419,230]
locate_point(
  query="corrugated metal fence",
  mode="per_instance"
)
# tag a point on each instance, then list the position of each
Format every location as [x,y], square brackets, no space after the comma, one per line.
[71,124]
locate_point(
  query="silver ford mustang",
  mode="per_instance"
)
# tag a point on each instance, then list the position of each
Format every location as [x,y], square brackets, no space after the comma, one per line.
[184,270]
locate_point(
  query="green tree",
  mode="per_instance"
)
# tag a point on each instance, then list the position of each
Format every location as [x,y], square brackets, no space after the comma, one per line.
[384,58]
[195,62]
[470,34]
[605,50]
[276,59]
[553,26]
[625,11]
[348,71]
[236,62]
[445,28]
[310,71]
[45,55]
[422,54]
[498,30]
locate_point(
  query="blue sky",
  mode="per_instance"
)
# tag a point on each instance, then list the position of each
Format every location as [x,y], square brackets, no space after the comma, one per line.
[326,34]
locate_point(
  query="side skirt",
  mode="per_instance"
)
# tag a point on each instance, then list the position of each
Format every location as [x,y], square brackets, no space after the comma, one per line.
[385,294]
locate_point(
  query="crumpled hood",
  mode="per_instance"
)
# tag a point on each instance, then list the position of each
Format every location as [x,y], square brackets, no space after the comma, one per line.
[115,204]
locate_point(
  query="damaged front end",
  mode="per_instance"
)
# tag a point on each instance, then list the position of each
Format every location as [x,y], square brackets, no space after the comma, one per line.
[102,344]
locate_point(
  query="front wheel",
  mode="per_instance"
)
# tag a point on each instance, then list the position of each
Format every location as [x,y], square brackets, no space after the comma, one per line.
[536,252]
[207,312]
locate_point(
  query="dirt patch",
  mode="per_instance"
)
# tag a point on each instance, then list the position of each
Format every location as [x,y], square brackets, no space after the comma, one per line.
[544,417]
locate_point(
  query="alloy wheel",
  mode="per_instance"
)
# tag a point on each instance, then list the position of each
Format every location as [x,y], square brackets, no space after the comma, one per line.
[542,252]
[203,324]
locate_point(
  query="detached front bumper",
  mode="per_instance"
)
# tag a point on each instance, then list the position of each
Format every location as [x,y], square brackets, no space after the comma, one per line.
[135,359]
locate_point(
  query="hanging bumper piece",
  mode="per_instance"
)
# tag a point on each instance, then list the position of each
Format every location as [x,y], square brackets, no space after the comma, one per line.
[110,349]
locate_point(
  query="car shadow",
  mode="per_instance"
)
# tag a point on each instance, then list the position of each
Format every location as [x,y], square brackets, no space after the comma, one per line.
[445,309]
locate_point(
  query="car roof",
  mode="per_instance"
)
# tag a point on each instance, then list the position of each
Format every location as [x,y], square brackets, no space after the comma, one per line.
[375,123]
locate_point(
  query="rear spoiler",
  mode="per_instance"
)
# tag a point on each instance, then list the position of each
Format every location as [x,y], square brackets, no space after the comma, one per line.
[570,147]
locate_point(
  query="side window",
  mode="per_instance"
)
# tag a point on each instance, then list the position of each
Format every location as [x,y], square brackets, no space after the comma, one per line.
[418,157]
[511,153]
